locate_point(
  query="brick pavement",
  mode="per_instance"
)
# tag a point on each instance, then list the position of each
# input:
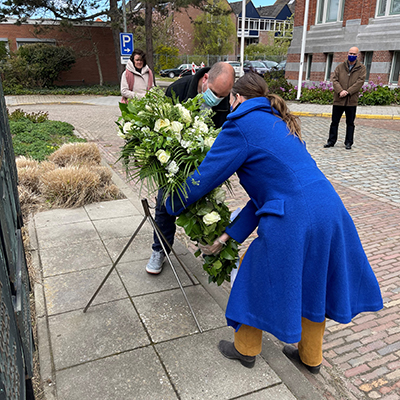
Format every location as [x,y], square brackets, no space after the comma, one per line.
[362,359]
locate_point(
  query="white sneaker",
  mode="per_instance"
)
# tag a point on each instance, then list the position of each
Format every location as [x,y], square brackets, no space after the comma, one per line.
[154,266]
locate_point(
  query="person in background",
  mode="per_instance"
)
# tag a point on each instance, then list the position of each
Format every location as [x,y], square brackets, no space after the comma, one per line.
[307,263]
[215,83]
[137,78]
[347,79]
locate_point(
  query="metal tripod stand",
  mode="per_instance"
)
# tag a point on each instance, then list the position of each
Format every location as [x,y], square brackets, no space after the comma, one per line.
[162,239]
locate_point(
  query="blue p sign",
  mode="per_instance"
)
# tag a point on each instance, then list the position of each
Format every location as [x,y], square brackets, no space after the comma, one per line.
[126,43]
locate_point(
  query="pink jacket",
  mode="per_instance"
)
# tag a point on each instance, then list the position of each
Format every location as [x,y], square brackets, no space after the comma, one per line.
[134,83]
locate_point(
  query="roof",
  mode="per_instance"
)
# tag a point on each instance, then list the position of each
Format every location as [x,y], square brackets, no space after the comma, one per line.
[274,10]
[237,6]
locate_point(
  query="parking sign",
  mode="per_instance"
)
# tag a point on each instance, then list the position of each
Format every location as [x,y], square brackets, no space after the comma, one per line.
[126,43]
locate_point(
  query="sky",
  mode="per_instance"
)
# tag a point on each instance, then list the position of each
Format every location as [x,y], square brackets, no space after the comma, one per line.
[258,3]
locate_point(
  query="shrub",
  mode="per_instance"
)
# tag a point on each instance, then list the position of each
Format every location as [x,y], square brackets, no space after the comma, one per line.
[376,94]
[37,64]
[168,57]
[36,118]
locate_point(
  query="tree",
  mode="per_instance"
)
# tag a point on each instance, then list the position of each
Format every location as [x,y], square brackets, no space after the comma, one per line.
[89,10]
[214,31]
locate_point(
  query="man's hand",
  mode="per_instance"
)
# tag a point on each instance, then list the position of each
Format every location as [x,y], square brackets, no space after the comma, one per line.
[343,93]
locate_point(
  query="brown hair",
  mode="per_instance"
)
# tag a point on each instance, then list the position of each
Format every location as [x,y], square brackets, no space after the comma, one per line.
[252,85]
[141,53]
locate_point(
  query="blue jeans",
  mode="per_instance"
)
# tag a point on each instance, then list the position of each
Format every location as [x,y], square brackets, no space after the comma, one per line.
[165,222]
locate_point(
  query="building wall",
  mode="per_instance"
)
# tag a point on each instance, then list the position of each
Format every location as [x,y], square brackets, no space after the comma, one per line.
[85,70]
[359,27]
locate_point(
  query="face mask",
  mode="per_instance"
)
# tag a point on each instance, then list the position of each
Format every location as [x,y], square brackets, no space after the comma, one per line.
[211,99]
[352,58]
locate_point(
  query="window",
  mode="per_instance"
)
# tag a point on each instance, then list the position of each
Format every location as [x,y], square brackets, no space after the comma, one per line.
[395,70]
[21,42]
[367,63]
[330,11]
[308,70]
[328,69]
[387,7]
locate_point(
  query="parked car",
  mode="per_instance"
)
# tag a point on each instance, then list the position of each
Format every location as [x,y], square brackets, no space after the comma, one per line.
[271,65]
[255,66]
[183,69]
[281,66]
[236,66]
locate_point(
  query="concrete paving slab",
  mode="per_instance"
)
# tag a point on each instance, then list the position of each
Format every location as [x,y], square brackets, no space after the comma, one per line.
[167,316]
[199,371]
[279,392]
[120,227]
[60,216]
[67,234]
[111,209]
[138,282]
[139,249]
[73,291]
[104,330]
[137,374]
[74,257]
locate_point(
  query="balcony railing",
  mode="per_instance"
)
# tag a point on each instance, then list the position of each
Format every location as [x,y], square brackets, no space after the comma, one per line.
[252,26]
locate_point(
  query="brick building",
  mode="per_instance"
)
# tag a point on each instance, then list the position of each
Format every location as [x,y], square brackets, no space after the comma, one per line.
[262,23]
[336,25]
[85,39]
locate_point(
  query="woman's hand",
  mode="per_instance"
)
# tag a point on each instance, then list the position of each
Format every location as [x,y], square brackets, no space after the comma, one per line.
[216,247]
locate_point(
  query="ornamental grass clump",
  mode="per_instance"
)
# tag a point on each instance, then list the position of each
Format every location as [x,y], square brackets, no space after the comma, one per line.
[81,181]
[76,154]
[71,186]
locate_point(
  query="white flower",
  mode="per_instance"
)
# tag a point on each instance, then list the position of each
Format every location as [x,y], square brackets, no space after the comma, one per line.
[127,127]
[172,168]
[176,127]
[163,156]
[219,195]
[184,113]
[146,129]
[161,123]
[211,218]
[200,125]
[186,143]
[148,108]
[209,141]
[121,135]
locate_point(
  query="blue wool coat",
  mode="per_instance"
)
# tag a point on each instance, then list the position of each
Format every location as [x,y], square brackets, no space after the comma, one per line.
[307,260]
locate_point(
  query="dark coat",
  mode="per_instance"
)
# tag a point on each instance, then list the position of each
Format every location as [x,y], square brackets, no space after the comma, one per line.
[351,81]
[307,260]
[186,88]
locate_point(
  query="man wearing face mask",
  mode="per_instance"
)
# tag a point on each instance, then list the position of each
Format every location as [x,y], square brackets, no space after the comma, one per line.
[215,83]
[347,80]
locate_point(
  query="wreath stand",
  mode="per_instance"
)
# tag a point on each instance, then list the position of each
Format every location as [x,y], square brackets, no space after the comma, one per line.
[162,239]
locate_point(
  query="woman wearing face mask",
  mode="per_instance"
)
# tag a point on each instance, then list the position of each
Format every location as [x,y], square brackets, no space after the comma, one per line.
[137,78]
[307,262]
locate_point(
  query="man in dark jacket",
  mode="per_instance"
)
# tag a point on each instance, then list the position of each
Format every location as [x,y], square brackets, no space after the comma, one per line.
[215,84]
[348,79]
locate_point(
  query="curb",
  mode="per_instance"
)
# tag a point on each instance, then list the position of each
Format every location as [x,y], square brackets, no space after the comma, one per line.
[361,116]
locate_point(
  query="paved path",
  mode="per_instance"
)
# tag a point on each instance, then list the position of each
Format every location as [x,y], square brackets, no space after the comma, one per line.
[362,359]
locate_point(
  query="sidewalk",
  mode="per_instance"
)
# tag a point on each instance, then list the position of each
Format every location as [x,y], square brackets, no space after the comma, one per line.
[138,339]
[361,359]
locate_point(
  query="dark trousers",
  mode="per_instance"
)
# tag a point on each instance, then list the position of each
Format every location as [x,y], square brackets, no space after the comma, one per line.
[337,112]
[165,222]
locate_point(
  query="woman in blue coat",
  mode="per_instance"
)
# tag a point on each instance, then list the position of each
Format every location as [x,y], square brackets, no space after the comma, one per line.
[307,262]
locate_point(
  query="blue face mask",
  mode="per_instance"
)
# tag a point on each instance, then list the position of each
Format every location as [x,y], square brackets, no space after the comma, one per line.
[352,58]
[211,99]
